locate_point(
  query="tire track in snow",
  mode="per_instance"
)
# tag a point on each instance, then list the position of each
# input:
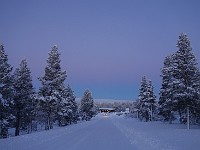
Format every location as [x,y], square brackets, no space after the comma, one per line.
[139,138]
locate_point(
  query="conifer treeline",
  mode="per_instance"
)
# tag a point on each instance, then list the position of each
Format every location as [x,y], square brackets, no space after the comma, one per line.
[180,89]
[26,110]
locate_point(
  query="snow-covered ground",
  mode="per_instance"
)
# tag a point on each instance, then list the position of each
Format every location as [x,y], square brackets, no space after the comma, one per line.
[109,133]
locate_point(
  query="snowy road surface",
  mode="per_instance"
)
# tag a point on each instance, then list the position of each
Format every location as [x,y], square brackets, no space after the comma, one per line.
[109,133]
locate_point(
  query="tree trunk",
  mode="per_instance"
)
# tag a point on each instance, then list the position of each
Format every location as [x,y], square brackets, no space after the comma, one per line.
[170,118]
[180,114]
[30,124]
[17,126]
[188,117]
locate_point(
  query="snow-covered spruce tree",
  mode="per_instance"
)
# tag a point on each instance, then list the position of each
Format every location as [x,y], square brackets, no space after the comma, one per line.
[23,98]
[151,102]
[52,87]
[72,105]
[63,109]
[198,103]
[6,94]
[166,101]
[142,100]
[87,104]
[180,85]
[186,73]
[67,109]
[146,104]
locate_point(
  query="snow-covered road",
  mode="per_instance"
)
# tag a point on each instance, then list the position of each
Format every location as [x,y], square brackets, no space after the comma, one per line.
[108,133]
[98,134]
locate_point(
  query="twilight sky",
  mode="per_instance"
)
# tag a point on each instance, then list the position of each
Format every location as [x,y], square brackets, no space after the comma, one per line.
[106,46]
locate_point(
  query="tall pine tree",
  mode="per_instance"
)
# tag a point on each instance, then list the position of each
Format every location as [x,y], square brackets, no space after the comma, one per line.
[146,100]
[52,87]
[23,98]
[6,93]
[151,100]
[67,109]
[73,108]
[87,105]
[180,83]
[166,100]
[186,72]
[142,98]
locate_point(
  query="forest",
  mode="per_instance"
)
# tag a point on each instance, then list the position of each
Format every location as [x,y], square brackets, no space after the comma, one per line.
[26,110]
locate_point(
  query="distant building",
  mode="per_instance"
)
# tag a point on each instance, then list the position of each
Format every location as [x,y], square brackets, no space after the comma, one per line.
[127,111]
[106,110]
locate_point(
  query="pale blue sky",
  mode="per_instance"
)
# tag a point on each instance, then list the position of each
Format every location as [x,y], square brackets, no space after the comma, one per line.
[106,46]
